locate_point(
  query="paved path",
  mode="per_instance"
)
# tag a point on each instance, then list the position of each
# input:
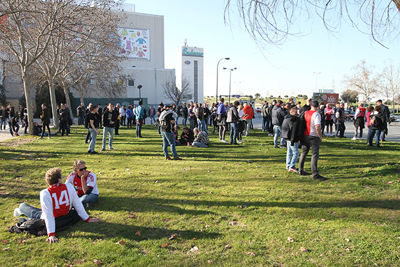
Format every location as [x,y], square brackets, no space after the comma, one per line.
[394,130]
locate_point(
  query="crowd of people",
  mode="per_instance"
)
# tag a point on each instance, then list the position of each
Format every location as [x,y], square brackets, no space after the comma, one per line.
[293,126]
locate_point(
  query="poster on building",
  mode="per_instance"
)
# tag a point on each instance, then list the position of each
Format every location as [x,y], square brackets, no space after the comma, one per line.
[135,43]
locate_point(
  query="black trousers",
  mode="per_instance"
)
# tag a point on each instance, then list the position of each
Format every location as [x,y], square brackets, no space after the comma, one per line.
[44,128]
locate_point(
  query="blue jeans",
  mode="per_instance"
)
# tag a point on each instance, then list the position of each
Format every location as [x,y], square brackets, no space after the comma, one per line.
[371,134]
[202,126]
[277,134]
[110,131]
[292,155]
[152,119]
[29,211]
[199,144]
[234,132]
[139,124]
[93,135]
[91,198]
[169,139]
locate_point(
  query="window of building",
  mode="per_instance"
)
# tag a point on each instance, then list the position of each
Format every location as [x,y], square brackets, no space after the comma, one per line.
[131,82]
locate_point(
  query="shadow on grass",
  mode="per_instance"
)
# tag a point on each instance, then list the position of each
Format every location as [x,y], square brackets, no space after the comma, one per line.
[159,204]
[138,233]
[143,204]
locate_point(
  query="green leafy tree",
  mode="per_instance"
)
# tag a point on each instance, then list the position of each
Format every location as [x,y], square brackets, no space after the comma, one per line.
[350,96]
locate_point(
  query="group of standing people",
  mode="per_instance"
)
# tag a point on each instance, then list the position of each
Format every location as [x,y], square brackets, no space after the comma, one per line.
[11,117]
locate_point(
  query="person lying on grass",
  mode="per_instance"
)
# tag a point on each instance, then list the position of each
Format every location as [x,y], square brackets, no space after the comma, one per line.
[59,202]
[85,183]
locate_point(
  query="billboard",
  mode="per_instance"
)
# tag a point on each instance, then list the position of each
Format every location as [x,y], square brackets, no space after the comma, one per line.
[134,43]
[326,98]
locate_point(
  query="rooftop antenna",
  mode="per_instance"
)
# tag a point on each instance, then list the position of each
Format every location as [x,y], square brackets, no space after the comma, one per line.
[185,42]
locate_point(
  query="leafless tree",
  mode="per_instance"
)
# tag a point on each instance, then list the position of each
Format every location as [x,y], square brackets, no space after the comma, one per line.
[391,83]
[273,20]
[175,94]
[364,81]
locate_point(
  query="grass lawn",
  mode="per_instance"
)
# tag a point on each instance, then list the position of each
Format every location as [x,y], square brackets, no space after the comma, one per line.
[237,205]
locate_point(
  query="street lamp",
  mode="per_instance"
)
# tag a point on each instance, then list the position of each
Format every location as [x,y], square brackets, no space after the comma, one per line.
[140,92]
[230,82]
[216,92]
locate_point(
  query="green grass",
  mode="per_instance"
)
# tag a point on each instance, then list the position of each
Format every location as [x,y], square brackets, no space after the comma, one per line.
[238,205]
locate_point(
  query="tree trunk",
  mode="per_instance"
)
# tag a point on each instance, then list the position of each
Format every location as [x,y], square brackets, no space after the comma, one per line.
[68,101]
[29,106]
[53,103]
[397,3]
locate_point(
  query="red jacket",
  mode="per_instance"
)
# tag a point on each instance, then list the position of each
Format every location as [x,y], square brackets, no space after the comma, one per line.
[248,112]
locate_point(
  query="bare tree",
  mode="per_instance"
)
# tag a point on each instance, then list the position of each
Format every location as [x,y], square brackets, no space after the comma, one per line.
[272,20]
[26,33]
[364,81]
[173,93]
[391,83]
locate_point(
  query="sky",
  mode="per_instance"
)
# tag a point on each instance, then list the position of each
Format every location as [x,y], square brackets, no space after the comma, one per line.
[313,59]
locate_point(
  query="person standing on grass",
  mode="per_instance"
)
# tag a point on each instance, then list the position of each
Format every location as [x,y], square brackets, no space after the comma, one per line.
[117,123]
[312,139]
[152,115]
[185,114]
[376,125]
[340,120]
[122,111]
[80,111]
[167,121]
[85,183]
[278,114]
[45,118]
[139,115]
[159,111]
[129,116]
[63,119]
[329,114]
[202,125]
[384,110]
[359,121]
[221,120]
[291,132]
[109,119]
[264,113]
[233,119]
[3,118]
[248,116]
[58,202]
[93,126]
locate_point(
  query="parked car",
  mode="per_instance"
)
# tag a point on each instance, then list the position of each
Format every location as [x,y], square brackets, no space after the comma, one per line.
[349,115]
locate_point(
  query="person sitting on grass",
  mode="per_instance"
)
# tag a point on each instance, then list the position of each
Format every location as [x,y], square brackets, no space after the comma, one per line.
[201,138]
[187,137]
[59,202]
[85,183]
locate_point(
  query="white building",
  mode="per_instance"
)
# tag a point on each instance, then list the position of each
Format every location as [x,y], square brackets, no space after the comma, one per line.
[190,70]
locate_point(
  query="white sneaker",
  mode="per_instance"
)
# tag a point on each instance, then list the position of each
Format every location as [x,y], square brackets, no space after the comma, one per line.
[354,138]
[223,141]
[17,212]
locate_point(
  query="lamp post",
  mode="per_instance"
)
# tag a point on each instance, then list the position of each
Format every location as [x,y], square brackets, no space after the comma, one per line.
[216,91]
[316,73]
[230,82]
[140,91]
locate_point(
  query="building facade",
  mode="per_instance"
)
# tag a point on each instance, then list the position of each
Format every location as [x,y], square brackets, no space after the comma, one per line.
[190,72]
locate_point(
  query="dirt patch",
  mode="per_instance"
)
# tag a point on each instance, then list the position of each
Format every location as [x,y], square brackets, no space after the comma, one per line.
[18,141]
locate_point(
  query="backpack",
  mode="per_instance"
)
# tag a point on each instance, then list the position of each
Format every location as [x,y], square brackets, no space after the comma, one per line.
[35,227]
[376,121]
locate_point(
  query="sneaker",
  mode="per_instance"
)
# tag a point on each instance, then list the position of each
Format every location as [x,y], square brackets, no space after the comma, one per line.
[111,148]
[17,212]
[103,149]
[293,170]
[167,158]
[94,152]
[223,141]
[303,173]
[354,138]
[320,178]
[177,158]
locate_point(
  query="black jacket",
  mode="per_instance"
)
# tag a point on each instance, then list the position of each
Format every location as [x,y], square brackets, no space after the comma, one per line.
[278,114]
[291,129]
[108,117]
